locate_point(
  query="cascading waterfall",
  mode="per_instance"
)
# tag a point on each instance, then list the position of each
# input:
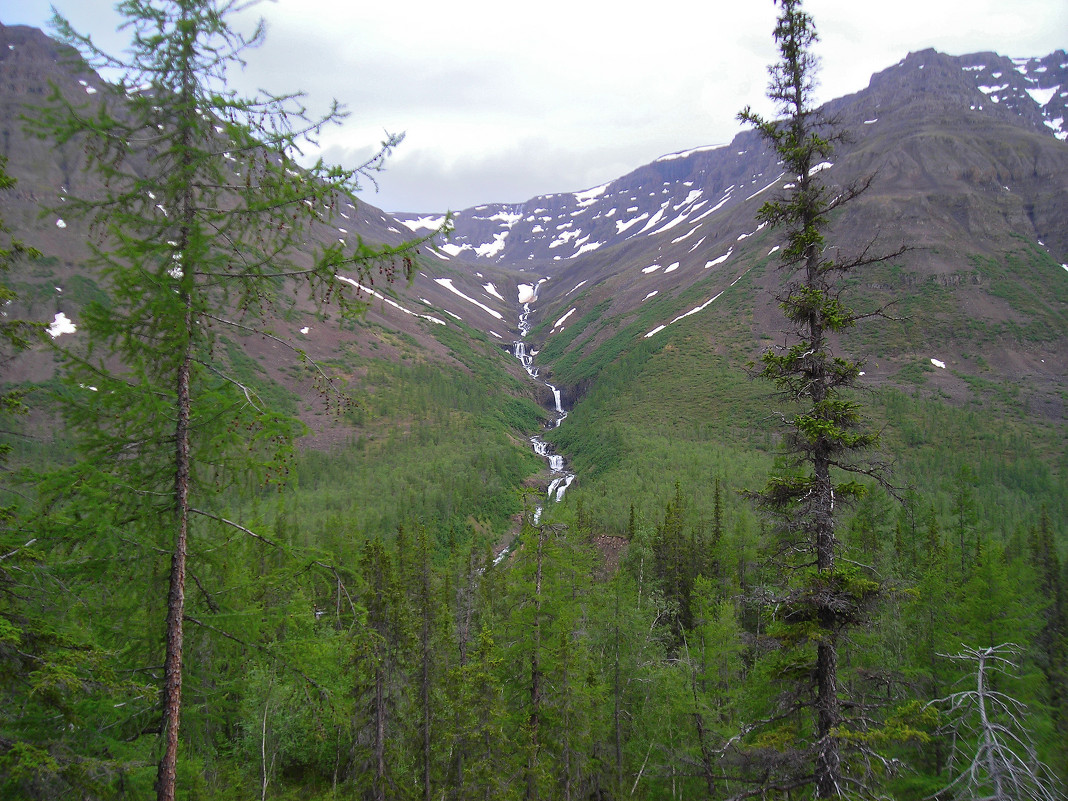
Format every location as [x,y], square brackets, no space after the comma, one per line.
[561,476]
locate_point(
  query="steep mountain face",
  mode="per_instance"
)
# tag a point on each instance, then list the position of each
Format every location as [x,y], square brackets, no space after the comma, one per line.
[32,66]
[970,168]
[678,191]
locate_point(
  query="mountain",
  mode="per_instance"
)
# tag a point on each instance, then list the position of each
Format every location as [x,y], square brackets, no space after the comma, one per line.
[31,64]
[970,164]
[415,616]
[970,168]
[927,90]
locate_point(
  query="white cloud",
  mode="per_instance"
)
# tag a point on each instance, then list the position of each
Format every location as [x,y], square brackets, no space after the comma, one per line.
[503,102]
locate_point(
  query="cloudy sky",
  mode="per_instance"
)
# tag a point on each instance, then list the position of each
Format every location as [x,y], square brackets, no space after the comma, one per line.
[504,101]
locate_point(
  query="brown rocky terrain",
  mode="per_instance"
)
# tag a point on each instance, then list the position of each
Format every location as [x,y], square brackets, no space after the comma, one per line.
[970,168]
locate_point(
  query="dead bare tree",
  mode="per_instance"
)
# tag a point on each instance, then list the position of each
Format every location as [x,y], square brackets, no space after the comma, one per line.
[993,757]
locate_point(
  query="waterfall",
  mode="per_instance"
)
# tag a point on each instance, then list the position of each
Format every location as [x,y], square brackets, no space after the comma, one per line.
[561,476]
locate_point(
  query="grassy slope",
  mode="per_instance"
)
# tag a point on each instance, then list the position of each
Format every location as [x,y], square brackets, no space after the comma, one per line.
[680,407]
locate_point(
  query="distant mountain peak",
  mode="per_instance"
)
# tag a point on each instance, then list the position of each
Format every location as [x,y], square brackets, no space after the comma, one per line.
[686,193]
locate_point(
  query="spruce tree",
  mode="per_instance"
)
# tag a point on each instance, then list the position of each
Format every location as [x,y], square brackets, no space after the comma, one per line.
[825,440]
[203,220]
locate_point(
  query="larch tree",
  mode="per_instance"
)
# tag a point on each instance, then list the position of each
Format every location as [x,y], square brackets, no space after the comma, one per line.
[203,220]
[826,443]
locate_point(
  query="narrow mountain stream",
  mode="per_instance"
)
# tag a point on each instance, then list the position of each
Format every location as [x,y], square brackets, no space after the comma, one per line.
[561,477]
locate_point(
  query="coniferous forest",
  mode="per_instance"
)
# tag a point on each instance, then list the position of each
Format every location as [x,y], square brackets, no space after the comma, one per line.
[767,582]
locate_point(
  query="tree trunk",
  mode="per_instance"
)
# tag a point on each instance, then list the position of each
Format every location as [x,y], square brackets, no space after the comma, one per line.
[166,775]
[828,761]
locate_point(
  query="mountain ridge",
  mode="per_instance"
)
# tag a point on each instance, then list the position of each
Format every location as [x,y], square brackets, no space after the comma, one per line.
[970,159]
[1012,97]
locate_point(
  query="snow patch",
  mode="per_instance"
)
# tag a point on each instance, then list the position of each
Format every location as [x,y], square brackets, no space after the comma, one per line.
[623,225]
[447,283]
[492,248]
[684,153]
[720,260]
[766,188]
[654,292]
[560,322]
[678,239]
[305,330]
[690,198]
[506,217]
[589,197]
[421,223]
[1042,96]
[746,236]
[61,224]
[492,290]
[681,218]
[654,219]
[61,325]
[576,286]
[700,308]
[939,364]
[384,299]
[564,237]
[587,248]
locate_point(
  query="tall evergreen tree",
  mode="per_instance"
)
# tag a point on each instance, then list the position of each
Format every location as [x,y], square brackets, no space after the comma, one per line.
[204,219]
[378,672]
[824,435]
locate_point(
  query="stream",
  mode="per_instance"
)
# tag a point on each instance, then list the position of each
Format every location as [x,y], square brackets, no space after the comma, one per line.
[561,477]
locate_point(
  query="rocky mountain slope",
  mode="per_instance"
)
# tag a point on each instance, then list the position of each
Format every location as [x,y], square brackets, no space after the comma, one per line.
[970,161]
[970,165]
[398,317]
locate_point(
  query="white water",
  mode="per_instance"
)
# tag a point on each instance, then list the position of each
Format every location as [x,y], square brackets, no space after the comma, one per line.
[561,476]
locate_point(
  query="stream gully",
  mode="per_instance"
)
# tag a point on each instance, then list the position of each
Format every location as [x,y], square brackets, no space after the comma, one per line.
[561,476]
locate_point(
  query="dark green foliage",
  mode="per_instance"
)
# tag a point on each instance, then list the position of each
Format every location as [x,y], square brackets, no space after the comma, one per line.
[200,227]
[355,639]
[825,439]
[55,684]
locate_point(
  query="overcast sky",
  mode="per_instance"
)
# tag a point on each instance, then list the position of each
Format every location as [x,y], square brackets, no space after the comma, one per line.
[504,101]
